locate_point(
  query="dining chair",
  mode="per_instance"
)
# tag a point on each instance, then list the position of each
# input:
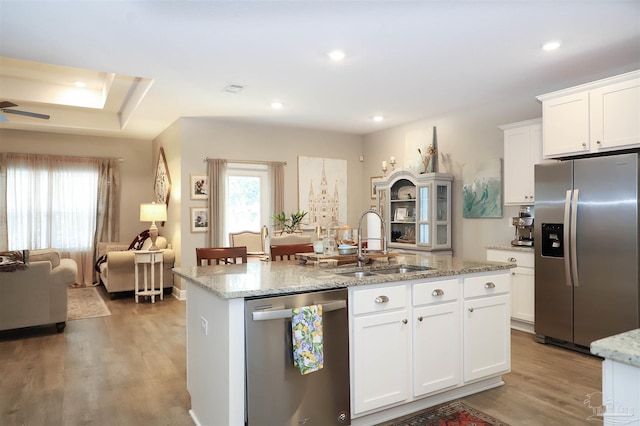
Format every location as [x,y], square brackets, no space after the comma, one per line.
[221,255]
[251,239]
[288,251]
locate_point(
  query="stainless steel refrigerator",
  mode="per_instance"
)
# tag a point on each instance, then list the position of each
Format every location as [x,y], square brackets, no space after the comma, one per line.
[586,248]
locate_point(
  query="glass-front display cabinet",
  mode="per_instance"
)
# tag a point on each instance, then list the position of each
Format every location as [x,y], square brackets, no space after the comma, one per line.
[416,209]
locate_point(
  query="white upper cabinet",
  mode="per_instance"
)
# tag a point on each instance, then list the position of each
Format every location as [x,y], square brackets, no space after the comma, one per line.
[522,150]
[591,118]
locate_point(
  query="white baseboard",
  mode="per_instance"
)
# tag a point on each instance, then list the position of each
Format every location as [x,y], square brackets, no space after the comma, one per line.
[525,326]
[179,294]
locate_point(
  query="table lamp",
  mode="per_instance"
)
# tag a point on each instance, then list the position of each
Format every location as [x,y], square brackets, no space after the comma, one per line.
[150,212]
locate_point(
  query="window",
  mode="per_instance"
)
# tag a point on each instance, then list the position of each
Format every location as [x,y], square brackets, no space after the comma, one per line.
[51,204]
[248,197]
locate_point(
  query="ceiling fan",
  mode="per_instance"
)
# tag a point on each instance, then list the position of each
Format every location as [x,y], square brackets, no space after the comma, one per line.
[5,105]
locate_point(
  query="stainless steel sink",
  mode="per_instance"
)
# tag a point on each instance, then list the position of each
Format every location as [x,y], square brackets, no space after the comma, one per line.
[356,274]
[402,270]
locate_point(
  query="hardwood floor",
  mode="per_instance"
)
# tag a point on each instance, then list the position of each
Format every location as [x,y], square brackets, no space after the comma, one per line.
[125,369]
[129,369]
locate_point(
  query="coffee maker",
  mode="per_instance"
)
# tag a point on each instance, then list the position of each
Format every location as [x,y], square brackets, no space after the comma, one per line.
[524,228]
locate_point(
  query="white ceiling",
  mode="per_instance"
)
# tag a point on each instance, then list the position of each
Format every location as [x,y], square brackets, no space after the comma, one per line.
[405,60]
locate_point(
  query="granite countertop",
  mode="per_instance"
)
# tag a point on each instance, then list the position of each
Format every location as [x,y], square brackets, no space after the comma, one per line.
[623,347]
[510,247]
[273,278]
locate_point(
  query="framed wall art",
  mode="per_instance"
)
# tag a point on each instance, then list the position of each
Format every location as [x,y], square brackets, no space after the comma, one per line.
[482,189]
[322,190]
[162,182]
[373,186]
[199,189]
[199,219]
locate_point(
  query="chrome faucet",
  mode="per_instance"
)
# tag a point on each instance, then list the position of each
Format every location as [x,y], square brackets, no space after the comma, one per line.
[361,257]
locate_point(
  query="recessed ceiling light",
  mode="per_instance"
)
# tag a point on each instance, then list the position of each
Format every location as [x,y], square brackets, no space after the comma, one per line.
[276,105]
[378,118]
[552,45]
[80,84]
[337,55]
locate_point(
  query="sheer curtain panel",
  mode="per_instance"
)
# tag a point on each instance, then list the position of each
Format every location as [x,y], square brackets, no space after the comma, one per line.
[53,201]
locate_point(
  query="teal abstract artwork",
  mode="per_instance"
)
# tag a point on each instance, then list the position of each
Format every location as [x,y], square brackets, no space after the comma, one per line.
[482,189]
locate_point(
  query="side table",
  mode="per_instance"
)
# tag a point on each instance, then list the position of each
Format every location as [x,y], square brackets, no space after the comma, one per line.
[150,258]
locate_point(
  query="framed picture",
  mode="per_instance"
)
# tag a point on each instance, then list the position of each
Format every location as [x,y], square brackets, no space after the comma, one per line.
[162,182]
[322,191]
[199,219]
[373,187]
[199,189]
[400,215]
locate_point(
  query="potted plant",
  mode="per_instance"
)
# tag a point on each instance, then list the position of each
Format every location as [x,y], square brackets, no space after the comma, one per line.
[289,224]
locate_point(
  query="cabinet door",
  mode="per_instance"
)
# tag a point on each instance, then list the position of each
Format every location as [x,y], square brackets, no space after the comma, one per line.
[380,360]
[518,166]
[522,294]
[487,338]
[614,115]
[436,347]
[566,125]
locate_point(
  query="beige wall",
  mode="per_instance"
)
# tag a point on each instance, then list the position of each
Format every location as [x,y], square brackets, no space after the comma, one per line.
[135,169]
[218,138]
[463,138]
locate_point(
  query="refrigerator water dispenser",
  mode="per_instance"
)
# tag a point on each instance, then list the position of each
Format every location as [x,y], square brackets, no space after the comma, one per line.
[552,239]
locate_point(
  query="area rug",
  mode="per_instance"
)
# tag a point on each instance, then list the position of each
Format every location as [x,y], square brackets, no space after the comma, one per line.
[454,413]
[85,302]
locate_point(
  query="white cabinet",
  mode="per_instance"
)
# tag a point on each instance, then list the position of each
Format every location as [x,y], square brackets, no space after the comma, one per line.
[487,342]
[522,150]
[522,286]
[411,341]
[380,347]
[591,118]
[416,209]
[436,321]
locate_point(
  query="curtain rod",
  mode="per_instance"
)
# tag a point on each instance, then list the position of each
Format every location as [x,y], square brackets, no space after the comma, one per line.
[247,161]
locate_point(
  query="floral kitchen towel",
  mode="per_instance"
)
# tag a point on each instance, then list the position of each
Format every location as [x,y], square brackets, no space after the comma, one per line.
[306,330]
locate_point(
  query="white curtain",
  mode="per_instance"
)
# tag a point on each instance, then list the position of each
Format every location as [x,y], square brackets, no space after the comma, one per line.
[53,202]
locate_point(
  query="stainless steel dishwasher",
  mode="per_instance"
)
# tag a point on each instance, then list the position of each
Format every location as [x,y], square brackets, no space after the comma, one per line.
[277,393]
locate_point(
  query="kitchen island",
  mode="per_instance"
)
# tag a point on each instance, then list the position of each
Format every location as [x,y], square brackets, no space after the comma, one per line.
[474,293]
[620,378]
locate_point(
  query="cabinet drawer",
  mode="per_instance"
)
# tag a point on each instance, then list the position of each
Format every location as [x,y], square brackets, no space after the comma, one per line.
[435,292]
[379,299]
[520,258]
[486,285]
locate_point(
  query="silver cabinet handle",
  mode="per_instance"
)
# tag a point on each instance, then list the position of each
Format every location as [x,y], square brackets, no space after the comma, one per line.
[584,145]
[420,318]
[470,309]
[489,285]
[437,292]
[404,321]
[382,299]
[598,142]
[513,260]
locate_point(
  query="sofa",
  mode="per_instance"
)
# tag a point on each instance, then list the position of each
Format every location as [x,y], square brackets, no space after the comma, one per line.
[37,295]
[118,272]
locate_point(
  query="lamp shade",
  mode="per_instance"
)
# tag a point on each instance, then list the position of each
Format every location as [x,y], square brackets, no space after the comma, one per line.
[151,212]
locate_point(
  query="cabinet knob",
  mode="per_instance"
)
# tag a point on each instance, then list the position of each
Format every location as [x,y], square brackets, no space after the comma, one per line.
[598,142]
[584,145]
[382,299]
[420,318]
[404,321]
[470,309]
[489,285]
[513,260]
[437,292]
